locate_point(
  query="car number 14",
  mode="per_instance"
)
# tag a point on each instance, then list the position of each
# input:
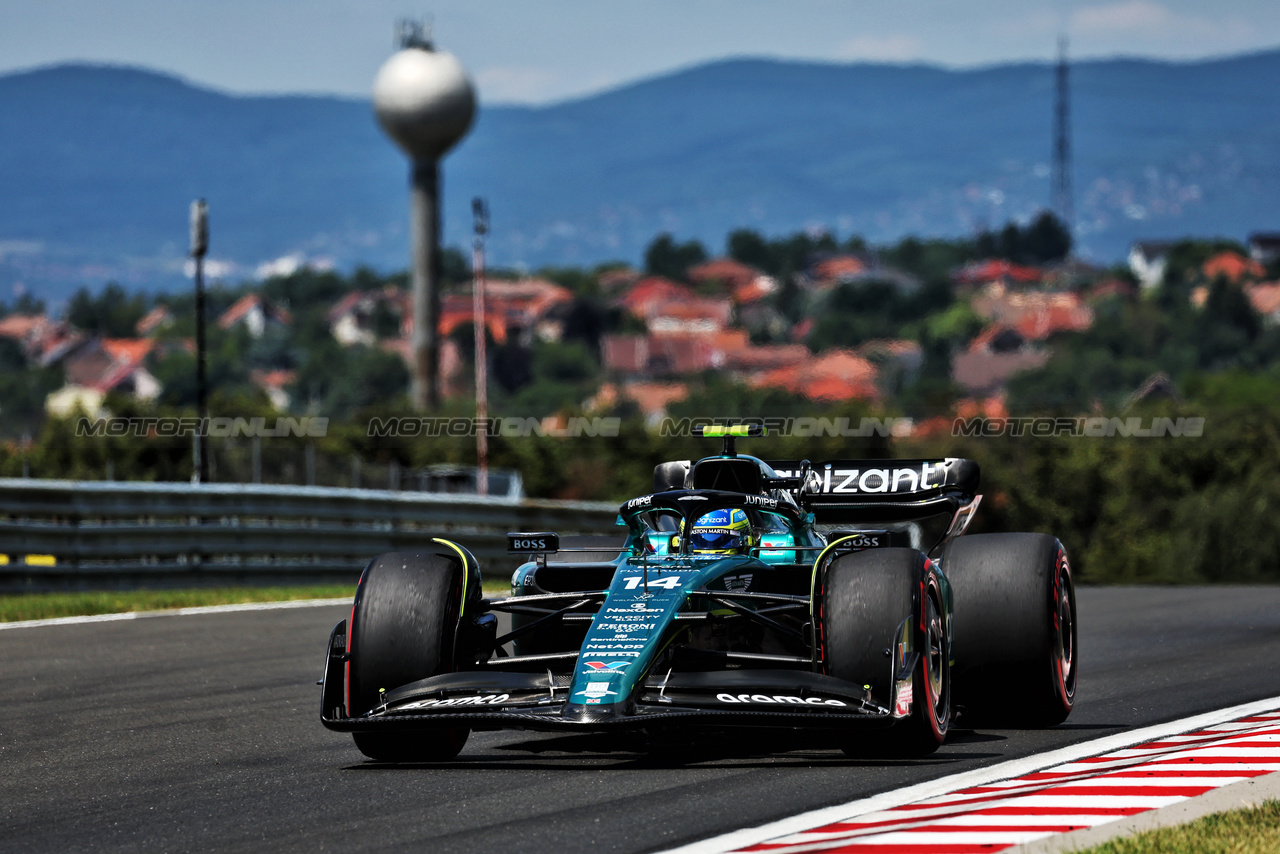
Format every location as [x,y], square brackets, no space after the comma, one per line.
[671,582]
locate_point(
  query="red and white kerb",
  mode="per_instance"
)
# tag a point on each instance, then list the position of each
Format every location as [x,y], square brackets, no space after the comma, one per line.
[1060,799]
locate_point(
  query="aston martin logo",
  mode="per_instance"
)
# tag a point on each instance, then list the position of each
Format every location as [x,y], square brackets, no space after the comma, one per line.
[738,582]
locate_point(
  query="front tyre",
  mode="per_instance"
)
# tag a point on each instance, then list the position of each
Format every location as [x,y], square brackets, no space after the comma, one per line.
[863,600]
[404,627]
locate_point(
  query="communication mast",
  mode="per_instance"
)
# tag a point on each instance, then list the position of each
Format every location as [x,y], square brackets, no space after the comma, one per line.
[1062,201]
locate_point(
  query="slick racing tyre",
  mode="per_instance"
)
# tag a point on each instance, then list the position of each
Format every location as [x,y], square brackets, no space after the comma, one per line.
[1015,629]
[404,627]
[863,600]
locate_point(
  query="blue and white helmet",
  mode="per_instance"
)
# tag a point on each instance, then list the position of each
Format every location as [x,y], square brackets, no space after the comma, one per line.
[721,532]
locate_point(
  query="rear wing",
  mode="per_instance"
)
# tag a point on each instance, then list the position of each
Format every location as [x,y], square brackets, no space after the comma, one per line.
[844,491]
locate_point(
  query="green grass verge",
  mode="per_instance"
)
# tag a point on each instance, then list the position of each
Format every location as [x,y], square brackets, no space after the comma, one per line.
[1245,831]
[42,606]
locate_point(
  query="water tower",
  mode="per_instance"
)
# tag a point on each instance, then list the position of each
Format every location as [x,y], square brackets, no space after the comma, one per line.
[425,102]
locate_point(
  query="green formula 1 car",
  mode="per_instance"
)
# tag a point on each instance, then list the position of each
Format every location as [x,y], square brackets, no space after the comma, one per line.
[838,595]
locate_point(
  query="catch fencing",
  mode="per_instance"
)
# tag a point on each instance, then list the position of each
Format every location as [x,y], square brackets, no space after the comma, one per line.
[64,535]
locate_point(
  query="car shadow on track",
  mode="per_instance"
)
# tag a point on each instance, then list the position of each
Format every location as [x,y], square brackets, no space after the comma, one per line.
[671,750]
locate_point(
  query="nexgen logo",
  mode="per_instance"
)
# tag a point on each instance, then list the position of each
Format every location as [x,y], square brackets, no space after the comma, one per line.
[785,700]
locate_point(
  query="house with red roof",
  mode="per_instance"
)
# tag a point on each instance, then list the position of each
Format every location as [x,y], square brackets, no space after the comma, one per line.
[978,273]
[725,273]
[1231,266]
[837,270]
[1265,299]
[672,309]
[24,328]
[648,294]
[991,359]
[154,321]
[255,313]
[757,359]
[653,398]
[671,354]
[743,283]
[353,317]
[275,385]
[833,376]
[44,340]
[526,309]
[102,366]
[697,316]
[1036,314]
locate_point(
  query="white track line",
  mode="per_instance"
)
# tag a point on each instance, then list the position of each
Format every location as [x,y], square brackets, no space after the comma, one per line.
[175,612]
[967,779]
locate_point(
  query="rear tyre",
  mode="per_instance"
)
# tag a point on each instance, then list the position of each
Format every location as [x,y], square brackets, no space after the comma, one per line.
[404,627]
[863,600]
[1015,629]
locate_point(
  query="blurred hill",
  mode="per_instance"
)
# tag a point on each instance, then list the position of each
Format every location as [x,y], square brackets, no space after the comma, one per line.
[98,164]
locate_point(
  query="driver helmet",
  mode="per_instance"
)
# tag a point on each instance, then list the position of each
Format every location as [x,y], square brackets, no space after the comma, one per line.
[721,532]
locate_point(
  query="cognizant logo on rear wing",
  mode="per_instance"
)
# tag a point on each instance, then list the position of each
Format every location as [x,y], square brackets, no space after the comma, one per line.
[887,478]
[857,491]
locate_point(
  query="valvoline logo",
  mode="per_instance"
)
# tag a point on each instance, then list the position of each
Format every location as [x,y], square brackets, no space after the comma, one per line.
[611,667]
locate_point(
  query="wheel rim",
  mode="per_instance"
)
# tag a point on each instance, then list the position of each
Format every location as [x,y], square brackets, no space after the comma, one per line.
[1064,642]
[935,661]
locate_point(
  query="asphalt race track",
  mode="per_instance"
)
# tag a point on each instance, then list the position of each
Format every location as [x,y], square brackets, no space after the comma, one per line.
[202,733]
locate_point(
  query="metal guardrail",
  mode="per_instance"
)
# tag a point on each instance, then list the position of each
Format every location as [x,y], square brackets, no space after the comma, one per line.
[116,535]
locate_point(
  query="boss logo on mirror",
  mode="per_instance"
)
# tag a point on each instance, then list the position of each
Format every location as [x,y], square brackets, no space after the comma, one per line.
[533,542]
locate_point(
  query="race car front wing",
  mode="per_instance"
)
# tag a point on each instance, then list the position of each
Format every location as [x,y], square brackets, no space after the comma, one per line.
[498,699]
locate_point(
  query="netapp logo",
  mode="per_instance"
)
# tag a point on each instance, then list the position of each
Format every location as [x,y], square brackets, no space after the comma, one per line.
[778,700]
[483,700]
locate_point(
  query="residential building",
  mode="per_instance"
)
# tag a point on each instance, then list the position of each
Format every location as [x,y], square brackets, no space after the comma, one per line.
[255,313]
[1148,259]
[833,376]
[1264,246]
[992,358]
[1231,266]
[354,318]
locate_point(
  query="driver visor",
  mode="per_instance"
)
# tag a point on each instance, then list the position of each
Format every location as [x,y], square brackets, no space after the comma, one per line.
[716,540]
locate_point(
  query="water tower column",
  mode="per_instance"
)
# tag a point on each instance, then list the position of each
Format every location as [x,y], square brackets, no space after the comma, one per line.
[425,103]
[424,221]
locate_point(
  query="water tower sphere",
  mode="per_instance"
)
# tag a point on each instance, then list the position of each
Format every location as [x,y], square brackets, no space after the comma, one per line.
[424,101]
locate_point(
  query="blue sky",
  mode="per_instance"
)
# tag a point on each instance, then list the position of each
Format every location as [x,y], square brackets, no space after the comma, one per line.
[535,52]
